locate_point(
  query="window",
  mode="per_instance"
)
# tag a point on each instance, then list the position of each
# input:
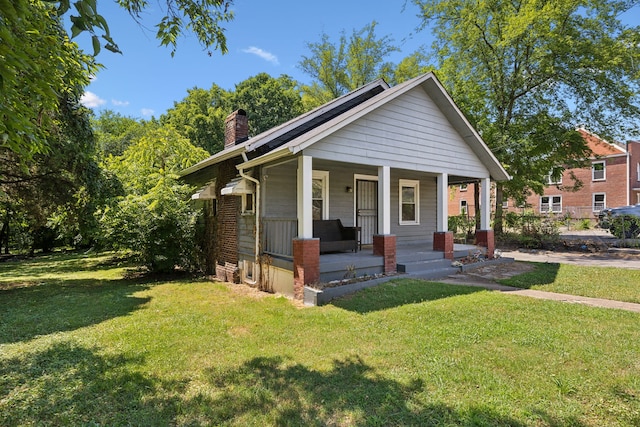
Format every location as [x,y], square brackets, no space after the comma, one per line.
[463,207]
[551,180]
[463,187]
[320,194]
[247,203]
[551,204]
[598,172]
[409,202]
[599,202]
[638,172]
[505,204]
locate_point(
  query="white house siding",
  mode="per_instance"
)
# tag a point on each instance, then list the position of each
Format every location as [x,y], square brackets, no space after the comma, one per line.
[423,232]
[409,132]
[279,190]
[341,175]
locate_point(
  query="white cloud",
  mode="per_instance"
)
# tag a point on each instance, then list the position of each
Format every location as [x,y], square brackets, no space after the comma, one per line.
[147,112]
[118,103]
[91,100]
[267,56]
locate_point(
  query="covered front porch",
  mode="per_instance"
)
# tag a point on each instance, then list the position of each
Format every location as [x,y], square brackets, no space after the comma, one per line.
[415,259]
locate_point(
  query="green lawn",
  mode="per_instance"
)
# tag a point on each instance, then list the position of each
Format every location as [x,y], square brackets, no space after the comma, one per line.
[81,346]
[597,282]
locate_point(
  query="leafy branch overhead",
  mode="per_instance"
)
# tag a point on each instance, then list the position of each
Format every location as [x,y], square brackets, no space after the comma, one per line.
[202,17]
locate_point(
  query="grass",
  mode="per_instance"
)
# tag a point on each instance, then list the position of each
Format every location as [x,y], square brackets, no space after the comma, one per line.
[597,282]
[79,345]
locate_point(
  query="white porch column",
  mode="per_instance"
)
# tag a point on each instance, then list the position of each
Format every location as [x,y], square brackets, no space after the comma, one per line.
[442,218]
[384,200]
[485,204]
[305,200]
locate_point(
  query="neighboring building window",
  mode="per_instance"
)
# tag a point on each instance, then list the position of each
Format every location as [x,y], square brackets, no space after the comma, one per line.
[505,204]
[638,172]
[409,202]
[320,194]
[551,204]
[599,202]
[463,187]
[463,206]
[554,181]
[598,171]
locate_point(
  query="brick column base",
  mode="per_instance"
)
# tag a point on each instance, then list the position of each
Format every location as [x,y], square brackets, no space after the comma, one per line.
[486,238]
[306,264]
[385,245]
[443,242]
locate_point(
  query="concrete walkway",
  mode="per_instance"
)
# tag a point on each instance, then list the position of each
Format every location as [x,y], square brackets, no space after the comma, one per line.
[576,299]
[618,258]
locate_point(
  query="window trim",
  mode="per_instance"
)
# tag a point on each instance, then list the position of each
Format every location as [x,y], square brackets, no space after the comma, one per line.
[550,180]
[416,186]
[604,170]
[593,201]
[246,211]
[550,204]
[324,177]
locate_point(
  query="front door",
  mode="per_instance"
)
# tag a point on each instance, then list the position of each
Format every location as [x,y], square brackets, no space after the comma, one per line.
[367,209]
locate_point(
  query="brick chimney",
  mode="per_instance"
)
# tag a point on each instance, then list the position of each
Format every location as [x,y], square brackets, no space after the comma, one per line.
[236,128]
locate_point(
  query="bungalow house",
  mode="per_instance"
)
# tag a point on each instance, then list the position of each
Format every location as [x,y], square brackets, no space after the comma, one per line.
[611,179]
[379,159]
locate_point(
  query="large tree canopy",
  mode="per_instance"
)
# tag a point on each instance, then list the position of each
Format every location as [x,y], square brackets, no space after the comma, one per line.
[200,116]
[40,64]
[354,61]
[528,72]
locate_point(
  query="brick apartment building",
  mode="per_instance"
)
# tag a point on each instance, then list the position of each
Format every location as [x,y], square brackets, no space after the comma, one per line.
[612,179]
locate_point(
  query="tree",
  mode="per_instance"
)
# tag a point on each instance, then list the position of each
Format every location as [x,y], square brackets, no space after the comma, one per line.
[40,64]
[340,68]
[268,101]
[53,192]
[114,132]
[154,218]
[527,73]
[200,117]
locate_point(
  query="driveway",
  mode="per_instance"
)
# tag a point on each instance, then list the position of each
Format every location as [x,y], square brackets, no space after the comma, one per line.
[589,247]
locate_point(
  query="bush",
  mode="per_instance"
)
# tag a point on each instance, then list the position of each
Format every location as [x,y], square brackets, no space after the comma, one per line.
[158,227]
[625,226]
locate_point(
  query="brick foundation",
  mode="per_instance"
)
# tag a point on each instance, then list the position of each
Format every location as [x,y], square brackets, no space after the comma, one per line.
[385,245]
[306,264]
[485,238]
[443,242]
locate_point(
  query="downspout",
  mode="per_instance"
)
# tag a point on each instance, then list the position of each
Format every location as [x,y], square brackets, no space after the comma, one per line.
[256,279]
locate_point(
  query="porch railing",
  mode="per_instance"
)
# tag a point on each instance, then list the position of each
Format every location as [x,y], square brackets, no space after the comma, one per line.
[278,234]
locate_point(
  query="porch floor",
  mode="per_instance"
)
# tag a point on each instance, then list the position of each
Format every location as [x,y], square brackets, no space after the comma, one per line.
[414,258]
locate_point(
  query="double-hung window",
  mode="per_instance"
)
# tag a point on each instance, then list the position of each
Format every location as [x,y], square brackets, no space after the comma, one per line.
[599,201]
[551,204]
[409,202]
[598,171]
[320,194]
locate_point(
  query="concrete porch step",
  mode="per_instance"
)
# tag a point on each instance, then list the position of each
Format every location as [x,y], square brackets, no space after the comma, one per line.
[423,265]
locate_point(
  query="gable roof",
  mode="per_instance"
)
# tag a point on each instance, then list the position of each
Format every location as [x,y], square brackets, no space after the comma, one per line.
[599,146]
[305,130]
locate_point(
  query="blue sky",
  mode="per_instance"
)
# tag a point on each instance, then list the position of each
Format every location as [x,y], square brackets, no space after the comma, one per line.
[265,36]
